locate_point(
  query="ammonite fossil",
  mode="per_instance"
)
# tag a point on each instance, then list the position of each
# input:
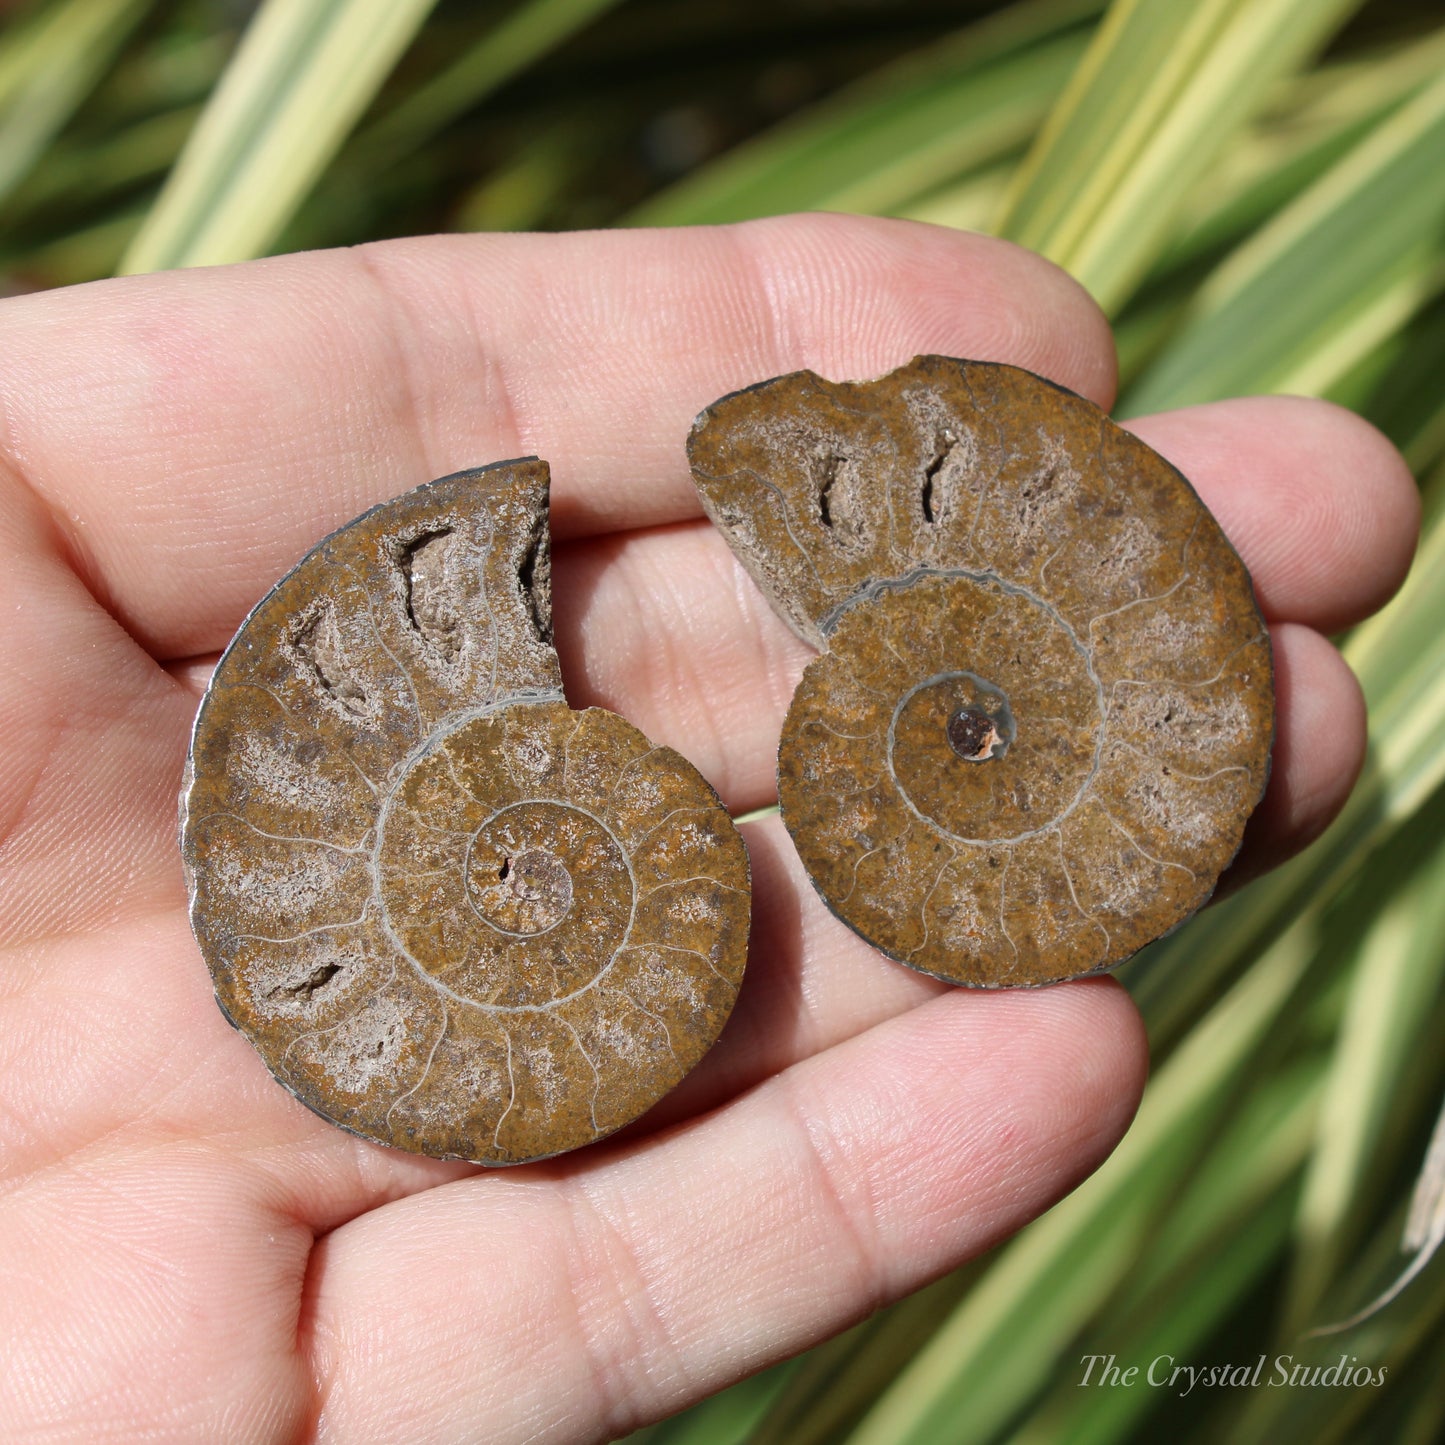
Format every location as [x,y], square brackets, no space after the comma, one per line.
[1044,708]
[452,914]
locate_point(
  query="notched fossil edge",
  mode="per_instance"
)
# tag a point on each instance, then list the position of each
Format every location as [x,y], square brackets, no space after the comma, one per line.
[838,499]
[453,915]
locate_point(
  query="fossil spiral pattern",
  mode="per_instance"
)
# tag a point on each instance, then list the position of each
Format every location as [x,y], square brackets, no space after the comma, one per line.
[1043,708]
[452,914]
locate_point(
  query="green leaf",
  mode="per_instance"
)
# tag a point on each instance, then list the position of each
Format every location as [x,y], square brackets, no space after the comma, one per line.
[1391,1343]
[910,126]
[527,34]
[1004,1340]
[1194,1265]
[304,73]
[1398,974]
[1329,279]
[1398,387]
[84,174]
[48,66]
[1309,125]
[1162,90]
[967,205]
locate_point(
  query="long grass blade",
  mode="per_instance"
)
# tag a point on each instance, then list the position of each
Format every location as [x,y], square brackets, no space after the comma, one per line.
[1002,1343]
[304,73]
[1392,1345]
[1162,90]
[1325,281]
[1400,967]
[910,126]
[1194,1266]
[966,205]
[1311,122]
[1398,387]
[528,33]
[47,68]
[92,172]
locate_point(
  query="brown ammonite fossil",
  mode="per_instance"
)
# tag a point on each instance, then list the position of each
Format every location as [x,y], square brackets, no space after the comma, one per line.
[1043,710]
[452,914]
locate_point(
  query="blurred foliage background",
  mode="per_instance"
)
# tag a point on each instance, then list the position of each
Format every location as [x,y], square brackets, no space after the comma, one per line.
[1255,191]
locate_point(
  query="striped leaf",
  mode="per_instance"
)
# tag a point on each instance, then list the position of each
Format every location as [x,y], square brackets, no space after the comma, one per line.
[1325,281]
[305,72]
[48,67]
[1161,92]
[913,125]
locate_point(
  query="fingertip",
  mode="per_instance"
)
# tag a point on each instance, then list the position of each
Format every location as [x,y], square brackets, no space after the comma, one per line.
[1317,501]
[1322,726]
[1092,1056]
[1352,510]
[1378,517]
[1321,729]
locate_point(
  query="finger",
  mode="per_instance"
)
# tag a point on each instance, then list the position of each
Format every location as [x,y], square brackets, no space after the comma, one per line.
[1320,506]
[538,1304]
[196,432]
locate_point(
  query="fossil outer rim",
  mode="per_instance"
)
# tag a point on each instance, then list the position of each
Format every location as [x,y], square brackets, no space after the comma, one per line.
[691,859]
[753,453]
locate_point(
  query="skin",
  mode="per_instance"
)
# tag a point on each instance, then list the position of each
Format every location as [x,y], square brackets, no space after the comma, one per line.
[186,1253]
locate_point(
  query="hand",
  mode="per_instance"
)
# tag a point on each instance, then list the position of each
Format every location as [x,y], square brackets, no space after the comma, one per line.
[187,1253]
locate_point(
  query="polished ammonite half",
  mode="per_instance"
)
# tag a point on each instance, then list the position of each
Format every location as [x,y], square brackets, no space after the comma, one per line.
[452,914]
[1043,709]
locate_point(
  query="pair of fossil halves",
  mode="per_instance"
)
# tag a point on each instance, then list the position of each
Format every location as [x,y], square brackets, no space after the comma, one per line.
[455,916]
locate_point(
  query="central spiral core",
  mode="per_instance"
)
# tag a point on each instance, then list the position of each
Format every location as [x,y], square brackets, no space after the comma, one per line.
[1025,704]
[508,903]
[974,735]
[528,893]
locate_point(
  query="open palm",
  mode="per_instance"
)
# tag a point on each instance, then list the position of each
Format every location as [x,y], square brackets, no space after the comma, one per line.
[185,1252]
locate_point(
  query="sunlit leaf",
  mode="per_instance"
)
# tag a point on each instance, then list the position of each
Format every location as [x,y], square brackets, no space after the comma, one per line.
[1325,281]
[304,73]
[1161,92]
